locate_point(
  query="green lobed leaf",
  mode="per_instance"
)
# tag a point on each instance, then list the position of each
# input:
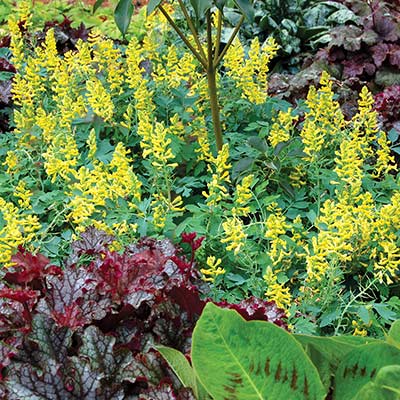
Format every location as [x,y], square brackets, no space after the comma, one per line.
[123,14]
[236,359]
[360,366]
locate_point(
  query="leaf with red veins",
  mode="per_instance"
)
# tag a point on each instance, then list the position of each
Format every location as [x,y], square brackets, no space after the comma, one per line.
[52,341]
[72,300]
[29,267]
[92,241]
[8,349]
[254,308]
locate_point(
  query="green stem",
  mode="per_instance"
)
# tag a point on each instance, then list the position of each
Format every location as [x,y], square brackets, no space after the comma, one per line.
[192,28]
[212,86]
[183,37]
[231,39]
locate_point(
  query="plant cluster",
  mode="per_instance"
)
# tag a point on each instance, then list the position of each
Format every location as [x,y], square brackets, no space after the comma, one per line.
[89,329]
[297,206]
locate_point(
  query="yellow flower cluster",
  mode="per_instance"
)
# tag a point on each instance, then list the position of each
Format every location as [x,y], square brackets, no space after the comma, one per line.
[19,229]
[234,234]
[242,197]
[276,291]
[250,75]
[219,167]
[277,225]
[103,182]
[213,270]
[282,127]
[324,120]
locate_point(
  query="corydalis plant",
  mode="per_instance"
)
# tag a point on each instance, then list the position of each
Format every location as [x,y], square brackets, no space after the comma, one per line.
[201,18]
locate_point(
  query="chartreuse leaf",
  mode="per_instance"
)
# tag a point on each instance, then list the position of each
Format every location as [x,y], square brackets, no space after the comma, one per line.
[246,7]
[152,5]
[238,359]
[360,366]
[123,14]
[200,6]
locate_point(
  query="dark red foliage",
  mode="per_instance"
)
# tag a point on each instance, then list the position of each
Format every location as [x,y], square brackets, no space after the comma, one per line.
[66,36]
[387,103]
[86,331]
[254,308]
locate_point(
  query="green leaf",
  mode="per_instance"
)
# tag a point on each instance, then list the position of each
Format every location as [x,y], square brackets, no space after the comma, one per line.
[97,5]
[180,365]
[327,352]
[246,7]
[153,4]
[123,14]
[385,386]
[236,359]
[360,366]
[200,7]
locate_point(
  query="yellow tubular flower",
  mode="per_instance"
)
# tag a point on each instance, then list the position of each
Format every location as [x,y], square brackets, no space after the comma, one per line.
[234,234]
[251,75]
[11,162]
[99,99]
[18,229]
[276,291]
[216,189]
[282,127]
[385,162]
[242,197]
[213,270]
[24,195]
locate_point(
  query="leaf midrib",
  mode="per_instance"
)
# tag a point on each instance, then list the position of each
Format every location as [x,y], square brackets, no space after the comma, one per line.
[237,360]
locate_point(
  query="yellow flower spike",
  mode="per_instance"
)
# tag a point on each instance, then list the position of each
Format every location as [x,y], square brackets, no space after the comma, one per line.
[11,162]
[99,99]
[251,75]
[216,189]
[24,195]
[242,197]
[18,229]
[282,127]
[234,234]
[213,270]
[276,291]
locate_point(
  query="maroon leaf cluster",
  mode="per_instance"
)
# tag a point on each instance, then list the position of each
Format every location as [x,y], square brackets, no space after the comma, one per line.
[66,36]
[372,45]
[87,330]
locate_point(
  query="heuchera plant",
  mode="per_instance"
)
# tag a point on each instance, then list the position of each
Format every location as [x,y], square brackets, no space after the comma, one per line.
[87,330]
